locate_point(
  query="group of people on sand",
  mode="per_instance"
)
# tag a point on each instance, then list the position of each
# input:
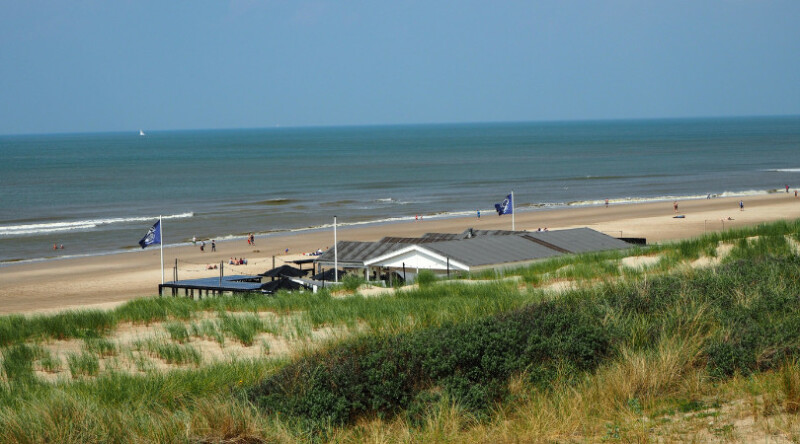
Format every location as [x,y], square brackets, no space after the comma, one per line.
[203,244]
[237,261]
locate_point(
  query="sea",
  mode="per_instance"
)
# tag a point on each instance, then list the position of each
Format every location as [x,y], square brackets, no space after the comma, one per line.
[99,193]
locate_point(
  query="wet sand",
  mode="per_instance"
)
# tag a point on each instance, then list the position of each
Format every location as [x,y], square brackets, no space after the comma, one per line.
[107,281]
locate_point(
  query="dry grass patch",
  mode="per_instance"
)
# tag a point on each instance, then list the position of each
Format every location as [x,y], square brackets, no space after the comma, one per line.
[137,348]
[639,262]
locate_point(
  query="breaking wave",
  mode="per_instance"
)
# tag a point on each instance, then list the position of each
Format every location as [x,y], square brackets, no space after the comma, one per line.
[78,225]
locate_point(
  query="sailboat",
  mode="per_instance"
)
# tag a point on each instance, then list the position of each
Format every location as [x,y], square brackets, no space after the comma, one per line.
[141,133]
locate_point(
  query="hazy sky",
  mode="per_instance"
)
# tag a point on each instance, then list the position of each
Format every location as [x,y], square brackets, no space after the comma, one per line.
[75,66]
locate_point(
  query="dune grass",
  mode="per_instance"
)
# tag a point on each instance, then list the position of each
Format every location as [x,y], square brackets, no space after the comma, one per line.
[670,353]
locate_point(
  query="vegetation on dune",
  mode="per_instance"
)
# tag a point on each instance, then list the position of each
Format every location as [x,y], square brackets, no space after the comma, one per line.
[471,361]
[663,350]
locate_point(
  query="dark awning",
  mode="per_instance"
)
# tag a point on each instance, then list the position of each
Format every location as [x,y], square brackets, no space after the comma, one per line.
[284,270]
[327,275]
[280,284]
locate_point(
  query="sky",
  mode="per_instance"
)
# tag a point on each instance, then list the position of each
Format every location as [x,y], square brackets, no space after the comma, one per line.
[94,66]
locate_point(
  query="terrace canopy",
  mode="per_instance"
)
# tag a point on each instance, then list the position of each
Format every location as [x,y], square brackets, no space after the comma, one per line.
[284,271]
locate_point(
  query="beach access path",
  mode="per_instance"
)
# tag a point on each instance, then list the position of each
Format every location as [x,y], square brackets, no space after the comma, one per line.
[106,281]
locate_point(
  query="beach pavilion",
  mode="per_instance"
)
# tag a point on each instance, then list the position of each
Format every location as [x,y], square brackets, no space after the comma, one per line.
[470,251]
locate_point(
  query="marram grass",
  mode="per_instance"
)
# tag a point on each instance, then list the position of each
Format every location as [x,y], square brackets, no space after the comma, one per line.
[691,352]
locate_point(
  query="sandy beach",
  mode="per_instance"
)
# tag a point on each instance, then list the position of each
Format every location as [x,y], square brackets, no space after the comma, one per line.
[106,281]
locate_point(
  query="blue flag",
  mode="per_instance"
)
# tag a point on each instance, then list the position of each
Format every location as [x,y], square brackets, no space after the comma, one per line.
[507,207]
[153,235]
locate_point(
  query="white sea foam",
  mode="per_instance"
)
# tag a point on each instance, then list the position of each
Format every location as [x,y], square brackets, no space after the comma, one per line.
[784,170]
[80,225]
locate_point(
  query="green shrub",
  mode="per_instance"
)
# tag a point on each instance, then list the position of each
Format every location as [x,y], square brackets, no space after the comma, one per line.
[472,361]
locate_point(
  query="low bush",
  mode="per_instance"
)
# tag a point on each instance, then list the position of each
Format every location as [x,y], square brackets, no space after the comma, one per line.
[471,361]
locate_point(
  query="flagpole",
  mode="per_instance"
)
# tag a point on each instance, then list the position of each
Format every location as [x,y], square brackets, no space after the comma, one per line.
[513,228]
[161,236]
[335,254]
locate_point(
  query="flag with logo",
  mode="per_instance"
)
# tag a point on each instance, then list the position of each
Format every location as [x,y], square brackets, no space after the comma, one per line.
[506,207]
[153,235]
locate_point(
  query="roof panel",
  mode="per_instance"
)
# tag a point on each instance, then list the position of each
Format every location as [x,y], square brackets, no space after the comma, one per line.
[488,250]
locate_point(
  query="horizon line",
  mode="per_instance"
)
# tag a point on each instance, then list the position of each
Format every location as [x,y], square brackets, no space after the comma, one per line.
[388,125]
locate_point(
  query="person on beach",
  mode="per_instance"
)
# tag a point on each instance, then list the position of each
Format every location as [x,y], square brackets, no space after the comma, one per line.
[202,245]
[606,203]
[55,247]
[213,245]
[675,206]
[479,214]
[741,205]
[787,188]
[194,240]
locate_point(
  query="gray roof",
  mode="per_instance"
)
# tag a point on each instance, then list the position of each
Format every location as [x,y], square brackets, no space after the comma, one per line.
[484,247]
[488,250]
[357,252]
[579,240]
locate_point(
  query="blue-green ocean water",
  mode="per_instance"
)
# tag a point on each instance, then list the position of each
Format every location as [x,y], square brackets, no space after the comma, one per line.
[98,193]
